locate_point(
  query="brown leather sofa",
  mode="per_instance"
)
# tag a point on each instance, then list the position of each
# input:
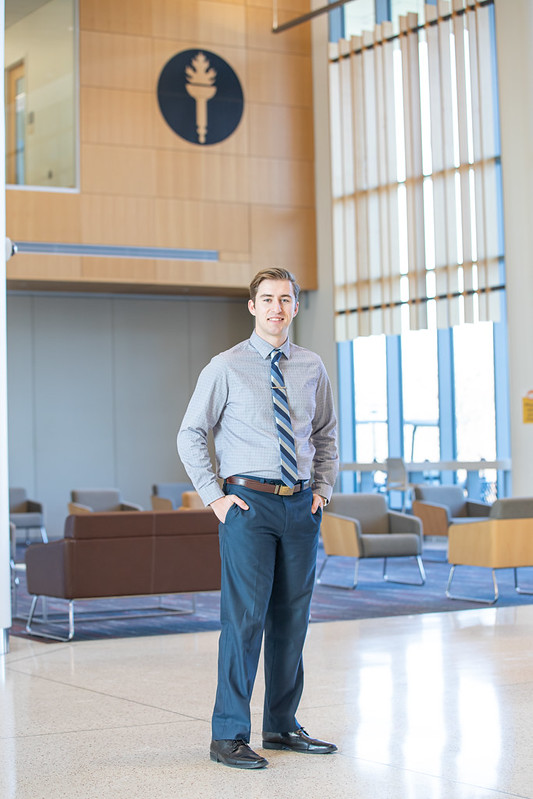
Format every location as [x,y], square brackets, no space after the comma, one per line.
[133,553]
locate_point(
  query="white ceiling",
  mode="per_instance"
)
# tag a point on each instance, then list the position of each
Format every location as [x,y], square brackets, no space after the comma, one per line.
[17,9]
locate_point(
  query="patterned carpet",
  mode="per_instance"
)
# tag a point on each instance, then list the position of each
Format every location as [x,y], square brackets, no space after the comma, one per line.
[373,598]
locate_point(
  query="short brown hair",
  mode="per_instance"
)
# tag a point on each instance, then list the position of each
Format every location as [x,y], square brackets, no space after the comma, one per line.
[274,273]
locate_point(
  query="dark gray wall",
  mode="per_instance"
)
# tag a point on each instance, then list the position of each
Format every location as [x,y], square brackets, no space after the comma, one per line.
[97,387]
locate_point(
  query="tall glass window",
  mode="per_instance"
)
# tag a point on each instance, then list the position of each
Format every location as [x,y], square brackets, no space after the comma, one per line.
[474,391]
[370,377]
[420,388]
[359,17]
[40,79]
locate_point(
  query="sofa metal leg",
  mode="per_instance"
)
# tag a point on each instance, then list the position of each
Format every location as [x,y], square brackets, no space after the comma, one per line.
[517,587]
[472,598]
[421,571]
[40,634]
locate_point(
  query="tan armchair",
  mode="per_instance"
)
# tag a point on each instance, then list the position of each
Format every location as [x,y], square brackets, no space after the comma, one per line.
[361,526]
[439,506]
[502,541]
[168,496]
[90,500]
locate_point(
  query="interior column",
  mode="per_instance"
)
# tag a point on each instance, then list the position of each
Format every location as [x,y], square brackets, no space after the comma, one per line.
[514,32]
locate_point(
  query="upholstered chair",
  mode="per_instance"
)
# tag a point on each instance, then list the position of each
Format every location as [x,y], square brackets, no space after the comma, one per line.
[88,500]
[168,496]
[26,514]
[439,506]
[361,526]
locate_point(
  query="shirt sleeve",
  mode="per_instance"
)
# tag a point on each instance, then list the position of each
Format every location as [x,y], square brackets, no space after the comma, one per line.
[324,439]
[203,413]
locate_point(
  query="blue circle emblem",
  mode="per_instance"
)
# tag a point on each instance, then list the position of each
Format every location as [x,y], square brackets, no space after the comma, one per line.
[200,96]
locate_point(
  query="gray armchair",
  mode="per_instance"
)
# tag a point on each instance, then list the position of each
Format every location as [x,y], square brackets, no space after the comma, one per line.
[168,496]
[361,526]
[439,506]
[87,500]
[26,514]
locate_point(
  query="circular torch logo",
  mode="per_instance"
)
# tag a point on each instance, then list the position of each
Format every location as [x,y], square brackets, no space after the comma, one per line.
[200,96]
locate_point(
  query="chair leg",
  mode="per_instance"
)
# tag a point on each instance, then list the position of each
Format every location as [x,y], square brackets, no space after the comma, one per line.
[472,598]
[331,585]
[421,571]
[517,587]
[44,535]
[321,569]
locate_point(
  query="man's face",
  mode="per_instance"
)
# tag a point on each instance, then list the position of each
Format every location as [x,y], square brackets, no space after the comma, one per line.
[274,309]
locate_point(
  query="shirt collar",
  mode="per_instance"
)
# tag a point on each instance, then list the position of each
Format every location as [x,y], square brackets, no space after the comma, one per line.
[264,348]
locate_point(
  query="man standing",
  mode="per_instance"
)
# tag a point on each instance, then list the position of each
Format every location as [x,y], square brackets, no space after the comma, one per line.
[270,407]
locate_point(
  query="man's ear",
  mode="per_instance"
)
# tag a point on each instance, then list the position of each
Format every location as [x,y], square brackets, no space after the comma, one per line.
[251,307]
[296,309]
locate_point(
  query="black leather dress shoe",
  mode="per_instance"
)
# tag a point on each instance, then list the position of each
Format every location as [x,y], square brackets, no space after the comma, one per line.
[297,741]
[236,754]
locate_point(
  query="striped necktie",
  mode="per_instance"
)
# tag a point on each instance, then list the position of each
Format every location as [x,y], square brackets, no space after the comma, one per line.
[289,467]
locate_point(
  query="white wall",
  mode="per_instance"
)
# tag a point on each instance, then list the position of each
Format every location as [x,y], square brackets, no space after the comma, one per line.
[514,34]
[97,387]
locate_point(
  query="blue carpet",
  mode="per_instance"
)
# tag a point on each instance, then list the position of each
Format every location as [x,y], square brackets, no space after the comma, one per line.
[373,598]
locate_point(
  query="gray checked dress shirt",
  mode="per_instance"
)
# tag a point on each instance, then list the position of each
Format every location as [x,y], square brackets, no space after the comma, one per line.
[233,399]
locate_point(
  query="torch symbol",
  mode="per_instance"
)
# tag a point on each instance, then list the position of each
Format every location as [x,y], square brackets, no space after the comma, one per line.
[199,85]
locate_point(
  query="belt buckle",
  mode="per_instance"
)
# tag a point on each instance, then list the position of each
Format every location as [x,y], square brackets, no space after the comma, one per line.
[285,491]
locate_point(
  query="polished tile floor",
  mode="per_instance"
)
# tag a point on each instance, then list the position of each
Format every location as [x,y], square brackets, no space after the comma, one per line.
[436,706]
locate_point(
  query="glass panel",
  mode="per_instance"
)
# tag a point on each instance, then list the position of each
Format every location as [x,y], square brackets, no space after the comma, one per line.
[40,103]
[20,114]
[420,386]
[359,17]
[400,8]
[370,377]
[474,391]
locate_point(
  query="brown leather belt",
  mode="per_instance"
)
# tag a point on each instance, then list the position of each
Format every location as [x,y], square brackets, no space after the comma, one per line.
[270,488]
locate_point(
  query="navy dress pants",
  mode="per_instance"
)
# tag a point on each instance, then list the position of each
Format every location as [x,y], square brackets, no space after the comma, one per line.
[268,571]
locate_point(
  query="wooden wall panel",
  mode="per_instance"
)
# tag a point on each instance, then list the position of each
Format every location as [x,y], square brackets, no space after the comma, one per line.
[130,270]
[128,171]
[32,266]
[200,225]
[277,182]
[207,176]
[281,236]
[43,216]
[283,80]
[115,61]
[281,132]
[116,220]
[133,17]
[111,117]
[211,23]
[249,198]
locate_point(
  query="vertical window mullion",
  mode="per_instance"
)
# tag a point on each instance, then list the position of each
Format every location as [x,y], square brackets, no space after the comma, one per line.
[394,397]
[347,442]
[447,422]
